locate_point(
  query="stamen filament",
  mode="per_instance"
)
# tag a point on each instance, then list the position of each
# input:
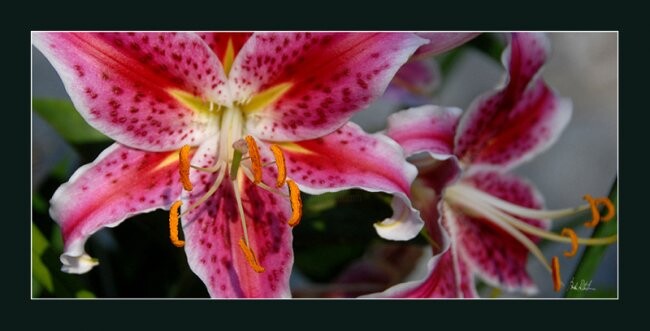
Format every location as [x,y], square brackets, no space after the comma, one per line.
[250,257]
[483,210]
[210,192]
[256,161]
[235,186]
[249,175]
[574,241]
[279,160]
[557,279]
[209,169]
[296,203]
[516,209]
[184,167]
[173,224]
[523,226]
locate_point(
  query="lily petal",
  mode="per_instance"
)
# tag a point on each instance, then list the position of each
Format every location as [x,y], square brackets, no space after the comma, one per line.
[350,158]
[425,129]
[120,183]
[441,282]
[218,42]
[213,230]
[505,128]
[319,79]
[440,42]
[141,89]
[417,78]
[497,257]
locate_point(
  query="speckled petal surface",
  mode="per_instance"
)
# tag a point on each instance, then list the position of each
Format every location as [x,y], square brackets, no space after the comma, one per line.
[350,158]
[122,84]
[218,41]
[329,77]
[493,254]
[120,183]
[502,129]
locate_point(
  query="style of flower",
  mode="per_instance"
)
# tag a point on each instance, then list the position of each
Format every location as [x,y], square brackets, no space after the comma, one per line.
[482,220]
[224,129]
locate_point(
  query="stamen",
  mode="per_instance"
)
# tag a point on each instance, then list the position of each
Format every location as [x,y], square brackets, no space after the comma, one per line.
[256,161]
[296,203]
[222,171]
[523,226]
[250,257]
[240,207]
[173,224]
[483,210]
[279,160]
[574,241]
[184,167]
[611,212]
[557,279]
[516,209]
[267,188]
[595,213]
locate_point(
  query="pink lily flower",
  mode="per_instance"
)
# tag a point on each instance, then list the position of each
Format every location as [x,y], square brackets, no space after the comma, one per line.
[420,76]
[491,219]
[224,129]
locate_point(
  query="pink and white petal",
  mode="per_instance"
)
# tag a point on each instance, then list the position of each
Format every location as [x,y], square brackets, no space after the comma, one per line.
[440,42]
[497,257]
[502,137]
[350,158]
[218,41]
[523,58]
[448,277]
[502,129]
[213,230]
[419,77]
[328,77]
[426,128]
[120,183]
[122,84]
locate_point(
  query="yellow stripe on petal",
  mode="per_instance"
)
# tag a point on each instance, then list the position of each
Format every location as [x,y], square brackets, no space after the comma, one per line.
[295,148]
[228,57]
[265,98]
[190,101]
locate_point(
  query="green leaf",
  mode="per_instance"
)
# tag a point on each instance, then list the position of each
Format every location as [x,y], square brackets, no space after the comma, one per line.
[85,294]
[592,255]
[65,119]
[39,242]
[40,272]
[38,203]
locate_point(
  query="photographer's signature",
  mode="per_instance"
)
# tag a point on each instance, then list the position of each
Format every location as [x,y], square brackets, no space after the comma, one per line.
[581,285]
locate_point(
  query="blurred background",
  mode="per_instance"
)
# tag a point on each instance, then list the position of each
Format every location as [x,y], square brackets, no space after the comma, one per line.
[336,245]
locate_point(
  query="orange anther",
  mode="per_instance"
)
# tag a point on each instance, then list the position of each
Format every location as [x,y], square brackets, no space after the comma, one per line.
[256,161]
[567,232]
[184,167]
[279,161]
[250,257]
[296,203]
[595,213]
[611,212]
[173,224]
[555,270]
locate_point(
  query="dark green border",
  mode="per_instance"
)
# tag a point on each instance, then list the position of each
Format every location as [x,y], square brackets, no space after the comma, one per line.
[310,313]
